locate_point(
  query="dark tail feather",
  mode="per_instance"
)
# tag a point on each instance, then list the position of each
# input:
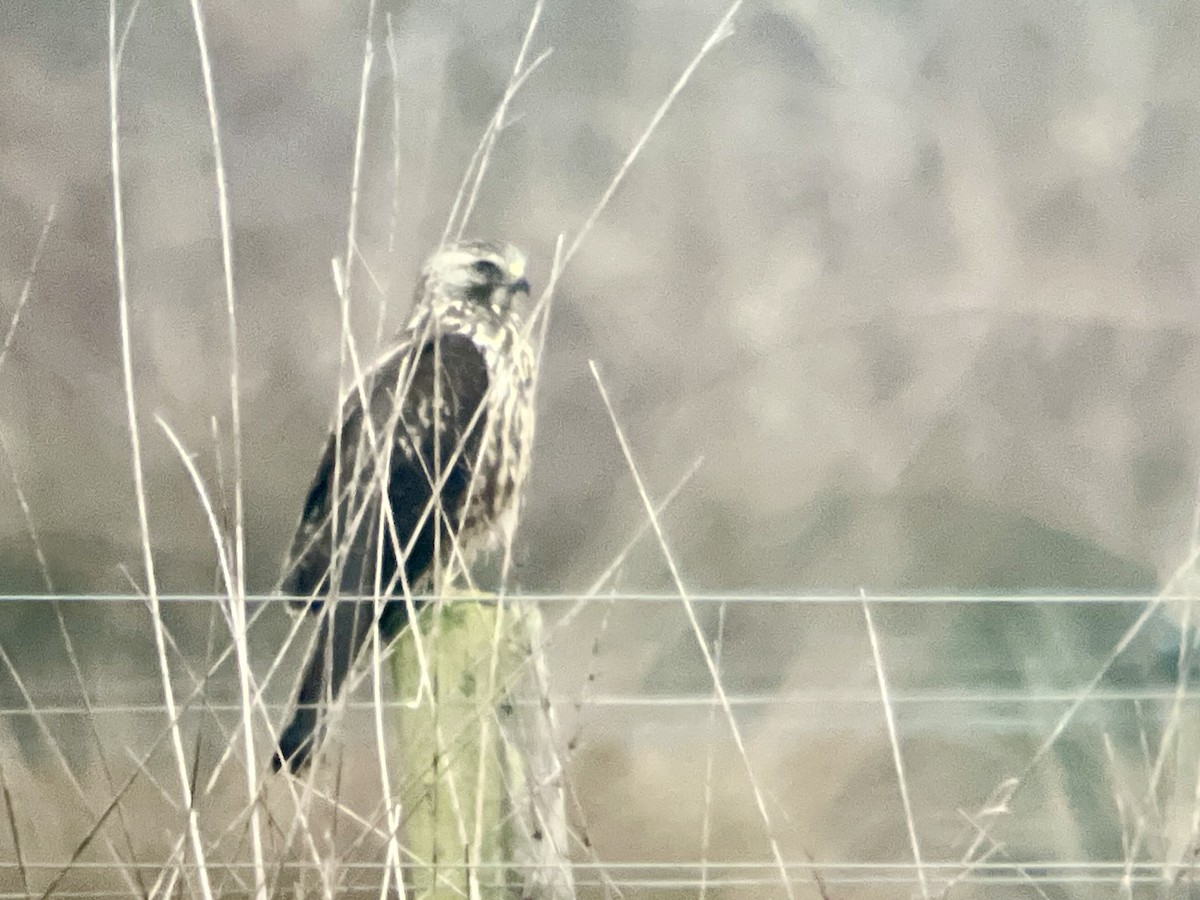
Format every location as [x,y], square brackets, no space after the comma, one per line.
[331,658]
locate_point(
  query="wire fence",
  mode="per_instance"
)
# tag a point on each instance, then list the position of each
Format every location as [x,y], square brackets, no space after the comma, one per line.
[1032,772]
[673,876]
[732,598]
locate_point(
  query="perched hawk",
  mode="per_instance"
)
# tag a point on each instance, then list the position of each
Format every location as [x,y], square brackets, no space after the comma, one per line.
[444,443]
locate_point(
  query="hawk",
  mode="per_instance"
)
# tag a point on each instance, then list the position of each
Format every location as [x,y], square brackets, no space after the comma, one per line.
[422,480]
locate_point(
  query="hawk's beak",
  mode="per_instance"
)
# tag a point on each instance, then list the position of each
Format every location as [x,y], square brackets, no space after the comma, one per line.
[520,286]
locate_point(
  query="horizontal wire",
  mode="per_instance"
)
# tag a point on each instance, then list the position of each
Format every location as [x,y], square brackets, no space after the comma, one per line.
[831,698]
[1101,868]
[730,598]
[371,891]
[842,873]
[1008,880]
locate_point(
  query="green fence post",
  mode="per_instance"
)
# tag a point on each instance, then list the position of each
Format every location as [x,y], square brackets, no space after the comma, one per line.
[477,769]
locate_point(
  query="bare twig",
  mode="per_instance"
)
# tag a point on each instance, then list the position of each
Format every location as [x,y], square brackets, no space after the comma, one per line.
[234,569]
[484,152]
[16,833]
[697,631]
[68,643]
[723,30]
[27,288]
[394,215]
[706,827]
[997,849]
[894,739]
[136,447]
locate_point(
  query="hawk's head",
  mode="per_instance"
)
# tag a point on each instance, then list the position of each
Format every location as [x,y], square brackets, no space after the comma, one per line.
[490,276]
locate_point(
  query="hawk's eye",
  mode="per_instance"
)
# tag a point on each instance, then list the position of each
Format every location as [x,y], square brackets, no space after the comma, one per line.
[488,269]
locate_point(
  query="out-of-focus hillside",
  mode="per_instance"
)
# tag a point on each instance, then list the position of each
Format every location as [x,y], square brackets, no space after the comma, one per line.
[875,254]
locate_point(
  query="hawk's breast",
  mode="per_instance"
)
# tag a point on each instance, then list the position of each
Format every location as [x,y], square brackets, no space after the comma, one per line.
[490,505]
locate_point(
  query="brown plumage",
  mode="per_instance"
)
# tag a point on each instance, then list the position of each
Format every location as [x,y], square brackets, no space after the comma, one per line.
[445,441]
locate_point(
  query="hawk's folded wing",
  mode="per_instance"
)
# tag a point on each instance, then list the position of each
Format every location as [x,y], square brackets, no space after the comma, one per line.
[435,437]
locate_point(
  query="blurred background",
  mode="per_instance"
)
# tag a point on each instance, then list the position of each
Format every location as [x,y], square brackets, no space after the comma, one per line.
[917,282]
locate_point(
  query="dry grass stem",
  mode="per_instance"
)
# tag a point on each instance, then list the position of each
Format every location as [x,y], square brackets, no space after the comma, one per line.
[698,632]
[894,740]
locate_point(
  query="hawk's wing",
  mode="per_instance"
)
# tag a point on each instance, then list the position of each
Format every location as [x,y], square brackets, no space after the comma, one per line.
[433,439]
[437,427]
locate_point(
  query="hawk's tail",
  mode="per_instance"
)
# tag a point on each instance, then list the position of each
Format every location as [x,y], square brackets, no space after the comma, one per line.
[343,630]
